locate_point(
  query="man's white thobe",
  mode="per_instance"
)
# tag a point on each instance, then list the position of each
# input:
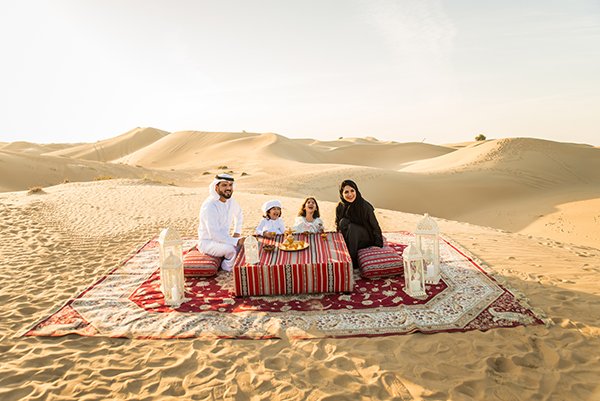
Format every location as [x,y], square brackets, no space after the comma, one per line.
[216,219]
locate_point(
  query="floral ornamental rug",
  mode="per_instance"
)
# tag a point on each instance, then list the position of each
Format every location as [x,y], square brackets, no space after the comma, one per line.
[128,302]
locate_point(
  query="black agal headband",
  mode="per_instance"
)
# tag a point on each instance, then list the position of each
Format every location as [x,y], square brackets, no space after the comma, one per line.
[224,177]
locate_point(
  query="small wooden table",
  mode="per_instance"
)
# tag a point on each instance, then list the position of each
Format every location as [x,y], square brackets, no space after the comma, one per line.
[325,266]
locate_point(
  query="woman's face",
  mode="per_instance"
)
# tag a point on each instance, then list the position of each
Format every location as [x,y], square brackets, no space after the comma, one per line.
[349,194]
[310,205]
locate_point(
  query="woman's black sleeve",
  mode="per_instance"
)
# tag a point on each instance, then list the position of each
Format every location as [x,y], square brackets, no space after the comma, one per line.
[375,229]
[338,217]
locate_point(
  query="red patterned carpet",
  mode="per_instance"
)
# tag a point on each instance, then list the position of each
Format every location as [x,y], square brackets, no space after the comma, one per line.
[128,303]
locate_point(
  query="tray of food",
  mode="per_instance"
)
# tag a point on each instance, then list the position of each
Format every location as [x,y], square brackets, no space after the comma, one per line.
[289,244]
[293,246]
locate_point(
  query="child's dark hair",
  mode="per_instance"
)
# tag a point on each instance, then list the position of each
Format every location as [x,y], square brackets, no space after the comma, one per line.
[302,211]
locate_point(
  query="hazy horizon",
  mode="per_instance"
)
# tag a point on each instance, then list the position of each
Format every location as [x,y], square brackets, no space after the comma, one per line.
[408,71]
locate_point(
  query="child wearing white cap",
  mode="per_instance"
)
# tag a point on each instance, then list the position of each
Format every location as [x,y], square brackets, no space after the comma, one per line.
[271,224]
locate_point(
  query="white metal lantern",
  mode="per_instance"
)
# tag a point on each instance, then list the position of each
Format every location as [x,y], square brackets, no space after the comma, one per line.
[427,237]
[251,250]
[414,275]
[171,267]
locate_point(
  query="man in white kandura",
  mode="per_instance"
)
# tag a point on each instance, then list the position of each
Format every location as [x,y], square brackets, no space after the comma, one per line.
[217,214]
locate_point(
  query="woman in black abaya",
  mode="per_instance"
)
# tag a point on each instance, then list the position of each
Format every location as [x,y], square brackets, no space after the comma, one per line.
[355,219]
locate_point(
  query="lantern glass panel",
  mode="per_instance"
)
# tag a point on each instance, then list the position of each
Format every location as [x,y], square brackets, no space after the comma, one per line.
[172,261]
[428,248]
[171,267]
[251,250]
[415,277]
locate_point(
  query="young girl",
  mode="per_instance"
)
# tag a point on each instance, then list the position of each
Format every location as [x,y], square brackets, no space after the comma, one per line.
[271,224]
[308,219]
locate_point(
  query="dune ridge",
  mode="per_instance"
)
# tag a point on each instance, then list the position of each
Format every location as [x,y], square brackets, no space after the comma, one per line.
[191,149]
[34,148]
[564,162]
[23,170]
[113,148]
[515,184]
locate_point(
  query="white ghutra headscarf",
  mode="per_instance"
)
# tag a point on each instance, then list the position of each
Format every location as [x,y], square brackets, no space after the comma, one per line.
[212,191]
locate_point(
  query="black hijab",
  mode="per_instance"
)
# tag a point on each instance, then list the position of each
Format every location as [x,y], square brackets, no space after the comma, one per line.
[357,210]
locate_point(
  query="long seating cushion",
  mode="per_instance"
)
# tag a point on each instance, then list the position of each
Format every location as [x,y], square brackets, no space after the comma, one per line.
[198,264]
[375,262]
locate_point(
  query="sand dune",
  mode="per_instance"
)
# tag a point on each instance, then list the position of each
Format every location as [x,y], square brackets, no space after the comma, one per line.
[569,221]
[547,162]
[34,148]
[512,184]
[187,150]
[505,184]
[385,155]
[114,148]
[197,150]
[459,145]
[22,171]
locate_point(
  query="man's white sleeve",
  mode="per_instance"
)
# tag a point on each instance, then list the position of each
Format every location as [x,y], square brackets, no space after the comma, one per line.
[215,231]
[238,218]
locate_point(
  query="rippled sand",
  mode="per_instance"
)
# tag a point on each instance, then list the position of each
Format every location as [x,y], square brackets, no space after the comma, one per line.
[56,243]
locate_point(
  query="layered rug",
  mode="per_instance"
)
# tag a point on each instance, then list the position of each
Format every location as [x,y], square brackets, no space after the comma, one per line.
[128,302]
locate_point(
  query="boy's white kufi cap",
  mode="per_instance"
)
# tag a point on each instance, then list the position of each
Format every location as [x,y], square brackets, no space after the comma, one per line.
[269,204]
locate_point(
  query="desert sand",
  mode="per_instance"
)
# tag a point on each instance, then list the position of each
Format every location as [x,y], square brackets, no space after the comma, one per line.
[528,208]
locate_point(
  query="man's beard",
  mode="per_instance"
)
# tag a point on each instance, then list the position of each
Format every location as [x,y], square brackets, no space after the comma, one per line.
[226,195]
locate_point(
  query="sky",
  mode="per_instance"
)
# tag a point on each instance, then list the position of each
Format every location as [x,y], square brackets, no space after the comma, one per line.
[406,70]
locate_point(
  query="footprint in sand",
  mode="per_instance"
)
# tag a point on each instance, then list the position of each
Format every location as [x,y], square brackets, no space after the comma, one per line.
[395,387]
[501,365]
[344,380]
[319,374]
[340,362]
[531,360]
[276,363]
[472,388]
[565,364]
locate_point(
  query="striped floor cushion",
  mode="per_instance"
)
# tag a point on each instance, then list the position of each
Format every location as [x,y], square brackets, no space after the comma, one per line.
[197,264]
[375,262]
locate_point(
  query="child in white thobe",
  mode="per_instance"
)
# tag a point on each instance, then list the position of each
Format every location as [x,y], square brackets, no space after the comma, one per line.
[271,224]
